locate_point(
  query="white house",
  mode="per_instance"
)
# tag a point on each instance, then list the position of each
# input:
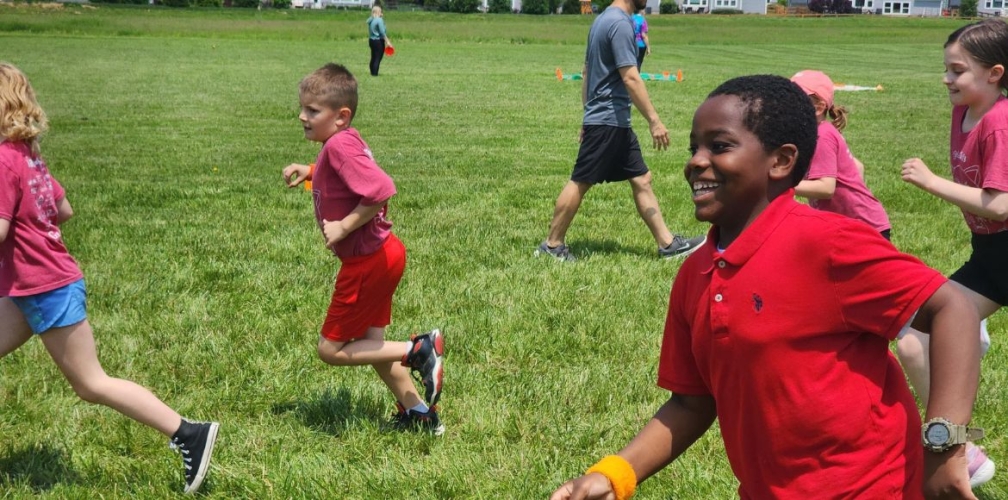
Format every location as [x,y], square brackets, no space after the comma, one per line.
[996,8]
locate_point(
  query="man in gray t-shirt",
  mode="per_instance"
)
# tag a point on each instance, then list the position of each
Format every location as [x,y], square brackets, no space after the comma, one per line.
[609,149]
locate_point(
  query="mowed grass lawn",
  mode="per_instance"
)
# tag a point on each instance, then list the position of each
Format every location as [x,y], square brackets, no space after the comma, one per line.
[208,279]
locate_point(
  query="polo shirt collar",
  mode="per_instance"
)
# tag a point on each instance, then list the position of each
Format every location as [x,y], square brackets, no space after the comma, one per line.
[753,237]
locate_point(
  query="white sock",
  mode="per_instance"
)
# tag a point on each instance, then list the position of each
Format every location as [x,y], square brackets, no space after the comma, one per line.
[420,408]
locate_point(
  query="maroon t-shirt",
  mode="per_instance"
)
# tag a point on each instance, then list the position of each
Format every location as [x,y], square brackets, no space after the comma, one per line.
[346,176]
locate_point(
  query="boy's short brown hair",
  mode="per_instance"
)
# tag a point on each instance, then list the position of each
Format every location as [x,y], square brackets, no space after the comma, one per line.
[334,85]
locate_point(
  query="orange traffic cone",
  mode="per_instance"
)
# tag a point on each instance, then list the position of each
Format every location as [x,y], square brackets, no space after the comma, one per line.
[678,75]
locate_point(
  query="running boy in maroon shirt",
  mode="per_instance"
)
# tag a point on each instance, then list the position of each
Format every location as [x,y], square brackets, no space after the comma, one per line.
[350,193]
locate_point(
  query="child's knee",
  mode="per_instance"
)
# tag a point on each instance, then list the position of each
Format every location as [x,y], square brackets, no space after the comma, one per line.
[329,352]
[910,350]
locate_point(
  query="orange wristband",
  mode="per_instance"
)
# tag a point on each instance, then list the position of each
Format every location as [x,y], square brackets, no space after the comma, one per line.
[620,474]
[307,182]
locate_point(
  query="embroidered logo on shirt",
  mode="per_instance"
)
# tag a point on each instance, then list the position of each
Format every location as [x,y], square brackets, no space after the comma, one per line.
[757,303]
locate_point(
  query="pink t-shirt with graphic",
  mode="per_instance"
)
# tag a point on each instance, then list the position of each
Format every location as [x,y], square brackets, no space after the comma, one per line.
[979,158]
[33,259]
[852,197]
[345,176]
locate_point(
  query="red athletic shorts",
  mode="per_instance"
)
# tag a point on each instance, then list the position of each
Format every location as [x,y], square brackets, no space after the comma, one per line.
[362,297]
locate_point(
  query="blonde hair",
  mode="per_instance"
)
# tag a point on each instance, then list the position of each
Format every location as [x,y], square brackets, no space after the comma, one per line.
[836,114]
[376,11]
[21,116]
[334,85]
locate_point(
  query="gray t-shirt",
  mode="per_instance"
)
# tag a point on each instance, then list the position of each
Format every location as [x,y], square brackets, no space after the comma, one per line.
[611,46]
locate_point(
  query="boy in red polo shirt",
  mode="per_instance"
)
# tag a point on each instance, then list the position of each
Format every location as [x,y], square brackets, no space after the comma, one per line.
[350,193]
[779,327]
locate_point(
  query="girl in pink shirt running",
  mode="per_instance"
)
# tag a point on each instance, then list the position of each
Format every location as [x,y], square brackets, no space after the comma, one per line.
[42,289]
[835,180]
[976,56]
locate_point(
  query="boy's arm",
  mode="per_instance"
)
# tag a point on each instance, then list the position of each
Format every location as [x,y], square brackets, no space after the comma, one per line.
[952,321]
[639,95]
[819,189]
[987,203]
[336,230]
[4,229]
[673,429]
[296,173]
[63,211]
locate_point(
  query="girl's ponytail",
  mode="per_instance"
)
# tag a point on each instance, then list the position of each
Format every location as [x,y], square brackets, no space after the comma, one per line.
[838,116]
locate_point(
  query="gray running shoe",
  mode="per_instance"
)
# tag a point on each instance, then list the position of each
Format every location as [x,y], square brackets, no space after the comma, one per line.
[681,247]
[561,253]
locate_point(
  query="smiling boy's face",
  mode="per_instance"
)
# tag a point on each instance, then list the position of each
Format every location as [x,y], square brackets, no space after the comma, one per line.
[732,176]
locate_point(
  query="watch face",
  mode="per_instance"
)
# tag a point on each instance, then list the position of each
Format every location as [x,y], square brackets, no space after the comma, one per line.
[937,434]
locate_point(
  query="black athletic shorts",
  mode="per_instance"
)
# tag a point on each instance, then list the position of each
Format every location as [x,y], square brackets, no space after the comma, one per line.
[986,271]
[608,154]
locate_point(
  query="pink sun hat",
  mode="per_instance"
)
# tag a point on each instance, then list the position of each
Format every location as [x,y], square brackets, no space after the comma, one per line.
[815,83]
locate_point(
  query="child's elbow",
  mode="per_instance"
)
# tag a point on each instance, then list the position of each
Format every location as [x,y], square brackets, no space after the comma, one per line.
[1000,212]
[997,204]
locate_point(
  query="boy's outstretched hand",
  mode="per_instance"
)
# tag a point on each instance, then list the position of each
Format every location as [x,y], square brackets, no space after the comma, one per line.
[945,475]
[295,174]
[592,486]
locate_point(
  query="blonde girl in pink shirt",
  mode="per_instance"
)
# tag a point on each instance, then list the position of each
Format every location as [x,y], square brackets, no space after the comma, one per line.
[42,288]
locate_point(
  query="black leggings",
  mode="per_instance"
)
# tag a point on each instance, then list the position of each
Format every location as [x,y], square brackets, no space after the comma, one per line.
[377,53]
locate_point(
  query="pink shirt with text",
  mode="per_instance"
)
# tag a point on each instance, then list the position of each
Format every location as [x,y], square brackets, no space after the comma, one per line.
[346,176]
[852,197]
[33,258]
[979,158]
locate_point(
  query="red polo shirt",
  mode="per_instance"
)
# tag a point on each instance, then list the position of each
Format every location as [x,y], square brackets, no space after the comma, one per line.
[788,329]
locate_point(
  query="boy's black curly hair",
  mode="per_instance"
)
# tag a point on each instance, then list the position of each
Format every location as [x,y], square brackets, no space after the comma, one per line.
[778,112]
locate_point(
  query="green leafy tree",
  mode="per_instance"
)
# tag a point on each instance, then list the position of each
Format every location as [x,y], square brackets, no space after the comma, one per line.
[668,8]
[968,8]
[535,7]
[499,6]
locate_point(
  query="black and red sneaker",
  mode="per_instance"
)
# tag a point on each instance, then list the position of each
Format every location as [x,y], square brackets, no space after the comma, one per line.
[425,359]
[409,420]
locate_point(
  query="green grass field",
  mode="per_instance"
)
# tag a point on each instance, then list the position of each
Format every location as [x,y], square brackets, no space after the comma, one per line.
[208,279]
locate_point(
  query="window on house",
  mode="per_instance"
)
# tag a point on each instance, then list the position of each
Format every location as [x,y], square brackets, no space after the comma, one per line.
[896,8]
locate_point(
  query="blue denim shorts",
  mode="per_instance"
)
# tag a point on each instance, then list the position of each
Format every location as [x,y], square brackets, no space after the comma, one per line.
[63,306]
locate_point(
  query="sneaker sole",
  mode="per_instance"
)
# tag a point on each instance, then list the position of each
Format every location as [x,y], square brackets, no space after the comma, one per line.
[437,374]
[983,474]
[205,463]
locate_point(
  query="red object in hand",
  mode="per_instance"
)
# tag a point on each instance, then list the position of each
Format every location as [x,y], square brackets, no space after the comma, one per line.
[389,50]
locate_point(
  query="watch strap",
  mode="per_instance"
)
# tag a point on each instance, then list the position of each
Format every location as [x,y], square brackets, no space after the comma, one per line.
[961,434]
[974,433]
